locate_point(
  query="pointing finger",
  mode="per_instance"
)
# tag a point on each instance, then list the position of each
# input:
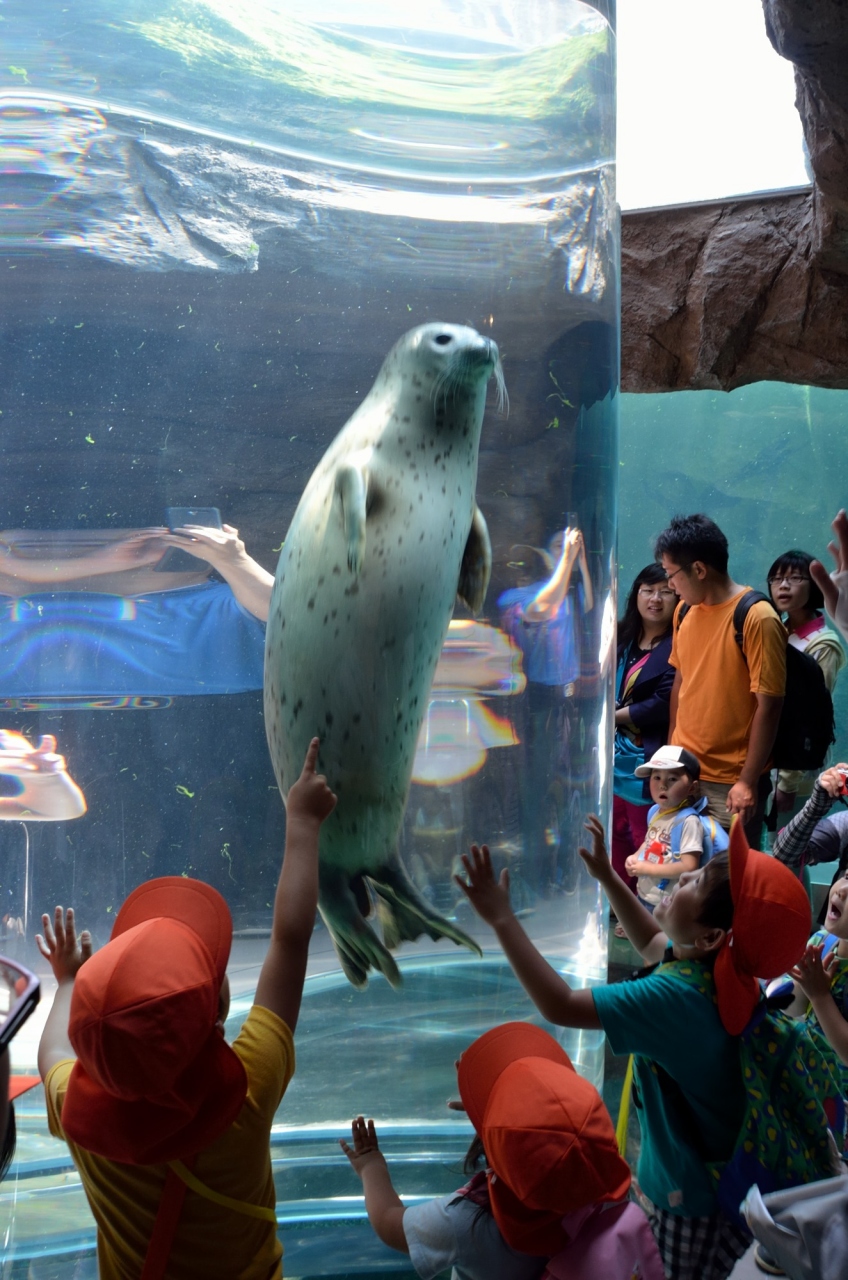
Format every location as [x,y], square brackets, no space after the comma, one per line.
[311,756]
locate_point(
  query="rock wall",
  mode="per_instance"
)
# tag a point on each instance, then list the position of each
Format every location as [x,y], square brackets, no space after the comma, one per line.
[722,294]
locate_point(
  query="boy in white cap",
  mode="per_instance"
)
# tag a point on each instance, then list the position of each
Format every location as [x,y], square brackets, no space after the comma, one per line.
[661,859]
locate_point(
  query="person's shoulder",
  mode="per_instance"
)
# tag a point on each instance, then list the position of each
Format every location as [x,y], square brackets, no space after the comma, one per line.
[516,595]
[55,1089]
[265,1045]
[824,639]
[672,982]
[761,613]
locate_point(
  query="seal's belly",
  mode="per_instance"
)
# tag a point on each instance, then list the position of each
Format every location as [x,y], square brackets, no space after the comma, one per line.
[352,659]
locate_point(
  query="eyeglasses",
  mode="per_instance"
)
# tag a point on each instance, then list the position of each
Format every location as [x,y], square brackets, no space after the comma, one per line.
[662,592]
[792,578]
[684,568]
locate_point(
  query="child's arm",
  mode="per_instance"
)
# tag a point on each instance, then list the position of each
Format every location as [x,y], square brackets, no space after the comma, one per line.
[639,925]
[813,975]
[634,866]
[552,996]
[66,954]
[382,1203]
[280,985]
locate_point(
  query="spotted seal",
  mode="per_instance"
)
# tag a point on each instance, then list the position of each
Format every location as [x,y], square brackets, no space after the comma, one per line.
[385,536]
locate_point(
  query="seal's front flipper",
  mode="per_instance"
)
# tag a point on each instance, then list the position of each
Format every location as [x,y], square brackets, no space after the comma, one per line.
[352,488]
[405,915]
[476,568]
[359,949]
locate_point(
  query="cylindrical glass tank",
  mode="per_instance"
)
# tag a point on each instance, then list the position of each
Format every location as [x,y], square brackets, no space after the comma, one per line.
[217,218]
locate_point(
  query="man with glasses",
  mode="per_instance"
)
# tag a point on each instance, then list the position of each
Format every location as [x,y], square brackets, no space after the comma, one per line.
[725,702]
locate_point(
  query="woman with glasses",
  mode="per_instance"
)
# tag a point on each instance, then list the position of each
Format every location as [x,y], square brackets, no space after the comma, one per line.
[643,689]
[800,603]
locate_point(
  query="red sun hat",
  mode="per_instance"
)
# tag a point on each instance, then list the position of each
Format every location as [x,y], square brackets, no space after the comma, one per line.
[154,1078]
[549,1139]
[771,925]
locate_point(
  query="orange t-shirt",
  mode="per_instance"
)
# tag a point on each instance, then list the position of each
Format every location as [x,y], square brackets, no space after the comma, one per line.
[716,702]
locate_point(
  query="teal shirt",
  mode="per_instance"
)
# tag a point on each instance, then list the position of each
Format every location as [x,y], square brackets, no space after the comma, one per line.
[839,991]
[664,1020]
[626,757]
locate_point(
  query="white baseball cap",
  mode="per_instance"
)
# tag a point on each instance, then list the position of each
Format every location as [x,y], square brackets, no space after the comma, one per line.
[670,758]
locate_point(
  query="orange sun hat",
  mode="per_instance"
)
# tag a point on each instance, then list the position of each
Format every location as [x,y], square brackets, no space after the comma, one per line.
[771,925]
[549,1139]
[154,1078]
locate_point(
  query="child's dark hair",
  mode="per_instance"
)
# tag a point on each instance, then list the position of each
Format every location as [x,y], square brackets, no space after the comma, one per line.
[474,1156]
[691,538]
[795,561]
[630,626]
[717,908]
[8,1149]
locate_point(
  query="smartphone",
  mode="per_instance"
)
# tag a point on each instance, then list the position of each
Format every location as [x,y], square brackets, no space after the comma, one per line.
[175,560]
[20,992]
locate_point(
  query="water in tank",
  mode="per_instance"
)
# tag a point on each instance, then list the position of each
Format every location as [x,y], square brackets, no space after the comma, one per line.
[217,219]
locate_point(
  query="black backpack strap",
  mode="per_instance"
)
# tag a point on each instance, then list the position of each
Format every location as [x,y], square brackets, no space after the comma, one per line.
[681,614]
[746,602]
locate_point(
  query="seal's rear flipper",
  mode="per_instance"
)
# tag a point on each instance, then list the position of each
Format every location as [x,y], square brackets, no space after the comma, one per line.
[359,949]
[405,915]
[476,568]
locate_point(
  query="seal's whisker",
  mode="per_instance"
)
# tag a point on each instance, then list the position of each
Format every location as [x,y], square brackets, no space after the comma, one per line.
[503,395]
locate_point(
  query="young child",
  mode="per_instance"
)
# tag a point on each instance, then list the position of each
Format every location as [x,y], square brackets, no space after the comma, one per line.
[555,1183]
[673,774]
[741,917]
[167,1124]
[821,983]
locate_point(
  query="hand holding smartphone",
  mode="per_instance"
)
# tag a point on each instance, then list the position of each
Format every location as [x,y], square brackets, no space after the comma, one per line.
[176,560]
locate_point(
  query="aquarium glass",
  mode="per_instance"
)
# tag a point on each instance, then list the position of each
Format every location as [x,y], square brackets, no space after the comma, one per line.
[764,461]
[216,218]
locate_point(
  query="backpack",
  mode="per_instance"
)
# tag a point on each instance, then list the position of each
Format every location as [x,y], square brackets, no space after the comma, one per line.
[784,1140]
[716,839]
[806,728]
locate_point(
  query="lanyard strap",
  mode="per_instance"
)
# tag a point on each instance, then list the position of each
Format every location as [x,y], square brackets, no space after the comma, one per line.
[177,1181]
[164,1228]
[238,1206]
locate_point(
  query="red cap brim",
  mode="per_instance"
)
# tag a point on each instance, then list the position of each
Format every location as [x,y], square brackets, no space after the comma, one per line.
[21,1084]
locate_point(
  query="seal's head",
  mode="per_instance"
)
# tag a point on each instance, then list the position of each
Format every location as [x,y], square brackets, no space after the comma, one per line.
[446,360]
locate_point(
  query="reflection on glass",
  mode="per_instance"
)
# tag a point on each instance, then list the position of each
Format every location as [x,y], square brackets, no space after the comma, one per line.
[478,662]
[93,615]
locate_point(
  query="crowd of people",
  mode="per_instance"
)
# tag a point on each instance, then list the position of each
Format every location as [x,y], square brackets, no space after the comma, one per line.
[169,1125]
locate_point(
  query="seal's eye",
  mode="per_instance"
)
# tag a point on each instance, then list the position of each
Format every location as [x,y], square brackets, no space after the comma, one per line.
[443,339]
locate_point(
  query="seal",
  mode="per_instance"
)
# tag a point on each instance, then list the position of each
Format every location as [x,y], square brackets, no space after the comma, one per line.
[385,536]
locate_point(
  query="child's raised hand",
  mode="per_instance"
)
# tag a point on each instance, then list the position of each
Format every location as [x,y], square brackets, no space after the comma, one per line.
[60,946]
[310,797]
[489,897]
[597,859]
[833,780]
[814,974]
[365,1149]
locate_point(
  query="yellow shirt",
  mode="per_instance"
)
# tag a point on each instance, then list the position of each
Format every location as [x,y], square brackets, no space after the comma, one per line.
[211,1242]
[716,702]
